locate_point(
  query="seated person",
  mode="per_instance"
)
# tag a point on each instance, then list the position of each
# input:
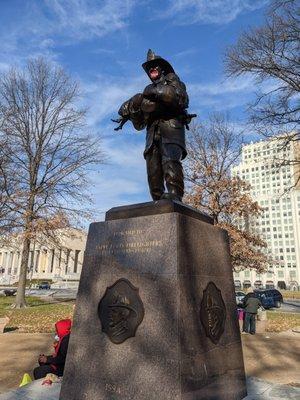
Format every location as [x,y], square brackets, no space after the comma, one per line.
[55,364]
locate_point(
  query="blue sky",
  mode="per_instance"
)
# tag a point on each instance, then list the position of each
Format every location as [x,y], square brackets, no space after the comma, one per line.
[102,44]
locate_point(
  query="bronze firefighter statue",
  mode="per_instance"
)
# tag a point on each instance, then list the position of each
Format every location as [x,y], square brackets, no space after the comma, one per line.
[162,109]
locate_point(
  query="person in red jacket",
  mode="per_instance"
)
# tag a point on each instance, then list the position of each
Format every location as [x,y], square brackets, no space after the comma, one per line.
[55,364]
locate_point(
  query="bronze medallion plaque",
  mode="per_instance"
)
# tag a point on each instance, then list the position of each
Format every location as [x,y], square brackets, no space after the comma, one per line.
[213,312]
[120,311]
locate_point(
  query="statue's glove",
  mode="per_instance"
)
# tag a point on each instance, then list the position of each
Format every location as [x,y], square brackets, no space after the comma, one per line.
[150,92]
[170,92]
[174,92]
[167,94]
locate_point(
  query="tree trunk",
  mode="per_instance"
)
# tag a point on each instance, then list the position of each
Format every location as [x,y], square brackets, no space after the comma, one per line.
[20,298]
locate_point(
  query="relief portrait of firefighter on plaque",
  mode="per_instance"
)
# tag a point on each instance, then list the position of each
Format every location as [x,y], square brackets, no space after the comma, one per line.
[121,311]
[213,312]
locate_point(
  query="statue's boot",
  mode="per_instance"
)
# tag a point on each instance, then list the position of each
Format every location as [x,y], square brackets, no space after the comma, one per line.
[173,175]
[171,196]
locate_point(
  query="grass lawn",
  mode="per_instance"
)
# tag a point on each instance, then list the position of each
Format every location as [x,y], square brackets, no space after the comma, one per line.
[39,316]
[290,294]
[278,322]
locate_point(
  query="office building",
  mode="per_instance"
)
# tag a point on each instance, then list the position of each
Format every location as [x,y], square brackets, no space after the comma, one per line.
[275,185]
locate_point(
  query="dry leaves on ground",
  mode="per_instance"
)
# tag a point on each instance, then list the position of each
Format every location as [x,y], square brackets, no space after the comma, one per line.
[39,317]
[279,322]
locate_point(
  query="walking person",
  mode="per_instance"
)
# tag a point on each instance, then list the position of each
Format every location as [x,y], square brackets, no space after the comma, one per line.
[251,305]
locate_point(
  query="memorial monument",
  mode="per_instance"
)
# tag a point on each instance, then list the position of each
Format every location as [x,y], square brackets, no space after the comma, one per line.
[155,316]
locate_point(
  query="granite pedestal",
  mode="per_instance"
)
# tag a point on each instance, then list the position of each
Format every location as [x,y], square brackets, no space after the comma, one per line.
[168,329]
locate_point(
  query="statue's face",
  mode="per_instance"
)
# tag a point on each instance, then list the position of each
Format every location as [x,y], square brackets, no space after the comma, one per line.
[155,73]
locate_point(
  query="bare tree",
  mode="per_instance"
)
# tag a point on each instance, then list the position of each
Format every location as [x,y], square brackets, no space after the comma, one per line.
[270,54]
[47,152]
[214,148]
[4,211]
[7,208]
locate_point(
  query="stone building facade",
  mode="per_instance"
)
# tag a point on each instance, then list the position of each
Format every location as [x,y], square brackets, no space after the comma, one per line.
[59,260]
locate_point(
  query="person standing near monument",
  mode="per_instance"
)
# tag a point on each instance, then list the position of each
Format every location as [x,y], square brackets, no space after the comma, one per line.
[162,109]
[251,305]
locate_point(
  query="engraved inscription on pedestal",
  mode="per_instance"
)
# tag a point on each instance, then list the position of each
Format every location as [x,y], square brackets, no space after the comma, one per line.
[213,312]
[120,311]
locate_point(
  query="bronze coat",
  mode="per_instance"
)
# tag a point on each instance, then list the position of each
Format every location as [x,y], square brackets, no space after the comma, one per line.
[161,108]
[171,131]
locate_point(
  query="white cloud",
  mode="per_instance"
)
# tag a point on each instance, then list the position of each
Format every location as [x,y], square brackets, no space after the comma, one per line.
[228,93]
[186,53]
[46,23]
[105,95]
[124,177]
[47,43]
[82,19]
[123,152]
[103,51]
[225,86]
[4,66]
[186,12]
[123,180]
[222,95]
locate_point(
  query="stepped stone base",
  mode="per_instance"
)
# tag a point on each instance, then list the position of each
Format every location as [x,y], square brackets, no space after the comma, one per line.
[155,315]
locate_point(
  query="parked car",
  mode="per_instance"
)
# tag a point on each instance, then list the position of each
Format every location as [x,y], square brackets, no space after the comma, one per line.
[10,292]
[44,285]
[274,294]
[270,298]
[239,296]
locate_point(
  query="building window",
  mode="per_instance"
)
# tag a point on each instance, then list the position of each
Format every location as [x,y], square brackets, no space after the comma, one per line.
[76,261]
[37,260]
[68,251]
[52,260]
[60,258]
[16,262]
[44,259]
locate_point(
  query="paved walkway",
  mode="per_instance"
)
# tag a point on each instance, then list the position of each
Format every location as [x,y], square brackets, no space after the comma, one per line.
[271,360]
[273,357]
[257,390]
[19,353]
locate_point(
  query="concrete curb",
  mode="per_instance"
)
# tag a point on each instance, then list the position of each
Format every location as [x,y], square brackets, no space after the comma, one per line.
[257,390]
[262,390]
